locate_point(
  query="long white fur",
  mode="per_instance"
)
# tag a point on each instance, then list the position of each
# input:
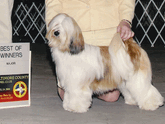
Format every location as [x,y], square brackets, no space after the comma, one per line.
[85,68]
[76,72]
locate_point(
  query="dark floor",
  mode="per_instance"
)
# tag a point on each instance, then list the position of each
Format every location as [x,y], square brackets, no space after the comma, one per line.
[46,107]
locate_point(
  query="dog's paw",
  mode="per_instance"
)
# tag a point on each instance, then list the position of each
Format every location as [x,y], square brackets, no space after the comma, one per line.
[153,101]
[130,102]
[152,105]
[75,108]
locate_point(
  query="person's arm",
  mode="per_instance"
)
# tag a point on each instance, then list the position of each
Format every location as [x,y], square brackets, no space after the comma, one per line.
[126,9]
[126,14]
[53,7]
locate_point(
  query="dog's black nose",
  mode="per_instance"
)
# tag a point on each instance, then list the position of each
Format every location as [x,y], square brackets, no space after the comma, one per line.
[56,33]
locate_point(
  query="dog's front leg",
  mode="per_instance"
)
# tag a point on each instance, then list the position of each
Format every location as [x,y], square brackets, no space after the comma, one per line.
[77,99]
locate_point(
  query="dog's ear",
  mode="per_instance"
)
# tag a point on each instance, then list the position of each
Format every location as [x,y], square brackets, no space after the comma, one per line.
[77,40]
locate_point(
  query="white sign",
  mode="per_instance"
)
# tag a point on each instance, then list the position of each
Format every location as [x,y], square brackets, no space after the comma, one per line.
[15,68]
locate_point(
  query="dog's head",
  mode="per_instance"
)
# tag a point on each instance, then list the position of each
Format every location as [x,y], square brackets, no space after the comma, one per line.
[65,34]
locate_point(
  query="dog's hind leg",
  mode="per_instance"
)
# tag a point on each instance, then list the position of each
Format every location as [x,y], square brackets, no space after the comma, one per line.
[140,87]
[137,85]
[133,66]
[144,93]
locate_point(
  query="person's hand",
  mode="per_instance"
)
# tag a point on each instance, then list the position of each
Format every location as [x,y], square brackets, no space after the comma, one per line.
[125,31]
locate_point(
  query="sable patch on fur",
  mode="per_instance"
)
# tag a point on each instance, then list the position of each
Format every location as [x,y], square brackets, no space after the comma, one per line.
[77,40]
[107,82]
[75,47]
[134,52]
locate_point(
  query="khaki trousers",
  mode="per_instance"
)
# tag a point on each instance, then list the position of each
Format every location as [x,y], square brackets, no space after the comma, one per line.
[5,21]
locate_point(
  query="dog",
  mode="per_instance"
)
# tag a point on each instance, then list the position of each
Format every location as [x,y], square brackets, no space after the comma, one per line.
[83,69]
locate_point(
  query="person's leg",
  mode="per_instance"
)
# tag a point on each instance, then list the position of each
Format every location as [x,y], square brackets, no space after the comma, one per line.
[5,21]
[61,93]
[111,96]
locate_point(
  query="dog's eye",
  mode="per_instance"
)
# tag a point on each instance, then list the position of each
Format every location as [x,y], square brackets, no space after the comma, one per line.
[56,33]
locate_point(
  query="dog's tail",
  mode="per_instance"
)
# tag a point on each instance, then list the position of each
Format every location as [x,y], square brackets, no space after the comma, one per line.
[126,56]
[134,52]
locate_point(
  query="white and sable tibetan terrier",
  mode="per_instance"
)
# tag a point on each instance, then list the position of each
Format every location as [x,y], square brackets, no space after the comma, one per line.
[84,69]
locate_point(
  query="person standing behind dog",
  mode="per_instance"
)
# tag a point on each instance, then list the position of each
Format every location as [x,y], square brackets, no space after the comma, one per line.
[5,21]
[99,20]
